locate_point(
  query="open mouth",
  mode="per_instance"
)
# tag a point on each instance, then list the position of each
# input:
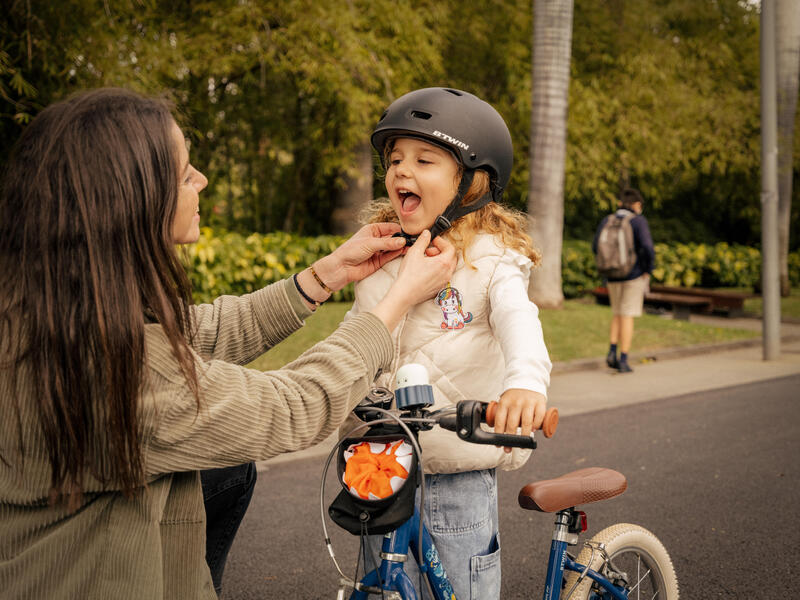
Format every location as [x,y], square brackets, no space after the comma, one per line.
[409,201]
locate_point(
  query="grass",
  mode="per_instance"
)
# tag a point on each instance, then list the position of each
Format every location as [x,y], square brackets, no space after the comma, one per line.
[790,306]
[579,330]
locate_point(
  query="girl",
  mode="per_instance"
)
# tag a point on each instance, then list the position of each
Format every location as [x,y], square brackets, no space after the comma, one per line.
[115,390]
[448,157]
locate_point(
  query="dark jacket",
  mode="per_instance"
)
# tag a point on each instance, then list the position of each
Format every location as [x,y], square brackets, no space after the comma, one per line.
[642,243]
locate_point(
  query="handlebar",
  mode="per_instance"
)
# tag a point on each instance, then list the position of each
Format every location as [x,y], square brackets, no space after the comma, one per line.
[470,414]
[465,419]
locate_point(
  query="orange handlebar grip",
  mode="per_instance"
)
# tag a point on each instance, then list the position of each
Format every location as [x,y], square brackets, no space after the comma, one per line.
[549,423]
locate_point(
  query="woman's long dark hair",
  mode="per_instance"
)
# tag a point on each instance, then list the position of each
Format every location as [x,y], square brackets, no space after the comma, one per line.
[86,250]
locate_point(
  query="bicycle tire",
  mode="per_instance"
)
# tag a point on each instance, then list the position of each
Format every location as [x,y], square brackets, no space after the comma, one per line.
[628,547]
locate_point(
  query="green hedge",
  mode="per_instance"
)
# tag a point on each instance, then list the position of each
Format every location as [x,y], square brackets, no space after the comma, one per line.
[687,265]
[223,262]
[230,263]
[578,273]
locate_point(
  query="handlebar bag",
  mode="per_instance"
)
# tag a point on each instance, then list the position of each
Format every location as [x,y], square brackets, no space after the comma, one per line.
[379,476]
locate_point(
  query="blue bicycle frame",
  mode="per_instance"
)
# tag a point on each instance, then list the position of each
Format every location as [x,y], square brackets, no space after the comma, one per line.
[391,576]
[558,562]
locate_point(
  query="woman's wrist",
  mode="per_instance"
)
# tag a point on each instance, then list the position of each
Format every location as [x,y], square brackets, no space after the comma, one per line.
[312,292]
[390,311]
[330,273]
[319,281]
[393,307]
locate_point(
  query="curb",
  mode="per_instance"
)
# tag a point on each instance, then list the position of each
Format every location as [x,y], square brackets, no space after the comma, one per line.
[594,364]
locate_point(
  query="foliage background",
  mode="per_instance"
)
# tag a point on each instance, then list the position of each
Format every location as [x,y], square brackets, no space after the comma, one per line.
[232,263]
[277,96]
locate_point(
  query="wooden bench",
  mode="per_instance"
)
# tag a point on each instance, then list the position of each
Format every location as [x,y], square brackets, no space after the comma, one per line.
[682,305]
[722,301]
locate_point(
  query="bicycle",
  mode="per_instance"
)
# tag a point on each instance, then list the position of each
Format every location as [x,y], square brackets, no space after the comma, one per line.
[622,562]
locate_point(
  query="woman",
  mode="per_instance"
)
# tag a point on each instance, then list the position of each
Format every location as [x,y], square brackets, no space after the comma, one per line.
[115,390]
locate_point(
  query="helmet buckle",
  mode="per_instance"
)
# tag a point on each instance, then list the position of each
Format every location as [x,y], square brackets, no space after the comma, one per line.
[443,223]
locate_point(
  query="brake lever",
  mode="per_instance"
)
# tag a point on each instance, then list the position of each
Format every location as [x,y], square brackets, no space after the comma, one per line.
[470,414]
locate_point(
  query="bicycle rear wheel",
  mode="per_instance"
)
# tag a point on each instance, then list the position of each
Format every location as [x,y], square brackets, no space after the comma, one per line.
[636,559]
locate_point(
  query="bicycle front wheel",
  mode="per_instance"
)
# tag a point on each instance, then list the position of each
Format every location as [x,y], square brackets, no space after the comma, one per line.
[637,560]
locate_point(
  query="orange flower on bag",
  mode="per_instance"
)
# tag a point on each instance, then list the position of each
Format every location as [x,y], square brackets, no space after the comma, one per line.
[376,470]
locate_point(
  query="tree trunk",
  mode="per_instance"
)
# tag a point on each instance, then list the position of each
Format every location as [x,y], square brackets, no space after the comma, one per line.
[787,41]
[552,40]
[356,195]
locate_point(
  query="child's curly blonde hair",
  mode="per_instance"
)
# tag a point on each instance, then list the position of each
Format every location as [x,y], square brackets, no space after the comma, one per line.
[506,224]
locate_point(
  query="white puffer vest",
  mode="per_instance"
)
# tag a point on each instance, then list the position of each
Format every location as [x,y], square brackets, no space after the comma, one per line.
[463,358]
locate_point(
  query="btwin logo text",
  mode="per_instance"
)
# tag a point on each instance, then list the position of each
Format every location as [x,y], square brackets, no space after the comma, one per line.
[450,139]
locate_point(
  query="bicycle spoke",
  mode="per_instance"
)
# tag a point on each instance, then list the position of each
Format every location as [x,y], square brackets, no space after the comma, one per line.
[640,578]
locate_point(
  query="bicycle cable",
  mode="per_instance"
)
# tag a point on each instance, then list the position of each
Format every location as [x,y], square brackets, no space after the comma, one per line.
[368,552]
[391,418]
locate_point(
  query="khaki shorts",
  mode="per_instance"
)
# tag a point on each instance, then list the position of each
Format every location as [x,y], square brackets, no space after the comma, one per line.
[627,297]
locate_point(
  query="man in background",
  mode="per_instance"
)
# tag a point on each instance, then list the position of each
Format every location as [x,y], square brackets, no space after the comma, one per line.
[626,293]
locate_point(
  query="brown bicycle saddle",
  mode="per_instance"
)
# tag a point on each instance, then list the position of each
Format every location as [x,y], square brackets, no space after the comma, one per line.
[572,489]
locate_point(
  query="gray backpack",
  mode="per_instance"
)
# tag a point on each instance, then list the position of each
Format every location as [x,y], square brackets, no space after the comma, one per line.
[616,255]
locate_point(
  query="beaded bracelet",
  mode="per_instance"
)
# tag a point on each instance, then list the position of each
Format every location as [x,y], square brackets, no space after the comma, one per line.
[319,281]
[316,303]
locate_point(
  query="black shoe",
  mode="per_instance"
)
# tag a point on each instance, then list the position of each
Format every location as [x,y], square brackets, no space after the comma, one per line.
[611,360]
[624,367]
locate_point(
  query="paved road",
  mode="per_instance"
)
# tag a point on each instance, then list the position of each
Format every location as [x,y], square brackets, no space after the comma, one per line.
[713,474]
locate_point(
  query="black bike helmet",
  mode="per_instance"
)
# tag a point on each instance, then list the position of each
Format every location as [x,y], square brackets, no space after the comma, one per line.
[460,122]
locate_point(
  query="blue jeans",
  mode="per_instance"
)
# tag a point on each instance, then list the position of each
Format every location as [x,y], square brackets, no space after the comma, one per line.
[226,495]
[461,516]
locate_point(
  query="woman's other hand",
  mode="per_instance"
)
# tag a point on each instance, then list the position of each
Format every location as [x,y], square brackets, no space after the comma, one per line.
[365,252]
[421,276]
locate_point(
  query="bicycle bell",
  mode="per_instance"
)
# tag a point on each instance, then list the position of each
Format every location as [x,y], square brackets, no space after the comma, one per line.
[413,389]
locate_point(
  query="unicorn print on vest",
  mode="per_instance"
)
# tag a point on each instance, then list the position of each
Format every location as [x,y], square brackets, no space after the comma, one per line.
[449,300]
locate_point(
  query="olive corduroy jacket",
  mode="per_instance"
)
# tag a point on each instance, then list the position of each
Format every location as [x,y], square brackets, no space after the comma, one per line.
[152,546]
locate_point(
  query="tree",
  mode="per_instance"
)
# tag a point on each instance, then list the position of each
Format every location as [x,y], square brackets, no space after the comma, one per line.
[552,38]
[662,98]
[39,46]
[277,97]
[787,41]
[487,52]
[294,89]
[356,192]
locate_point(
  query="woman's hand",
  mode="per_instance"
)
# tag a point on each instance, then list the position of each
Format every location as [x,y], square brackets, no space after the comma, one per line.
[519,408]
[368,250]
[421,276]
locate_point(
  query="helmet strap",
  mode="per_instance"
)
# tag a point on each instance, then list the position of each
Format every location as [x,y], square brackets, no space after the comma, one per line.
[454,210]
